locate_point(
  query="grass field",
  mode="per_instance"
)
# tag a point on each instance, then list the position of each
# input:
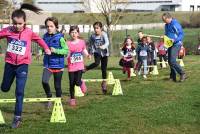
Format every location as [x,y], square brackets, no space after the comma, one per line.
[128,18]
[152,106]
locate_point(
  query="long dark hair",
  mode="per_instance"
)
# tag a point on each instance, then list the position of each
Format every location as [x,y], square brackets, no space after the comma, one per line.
[132,44]
[20,13]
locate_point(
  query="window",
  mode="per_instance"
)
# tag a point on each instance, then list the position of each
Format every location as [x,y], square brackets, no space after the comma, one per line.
[198,8]
[147,1]
[191,7]
[60,2]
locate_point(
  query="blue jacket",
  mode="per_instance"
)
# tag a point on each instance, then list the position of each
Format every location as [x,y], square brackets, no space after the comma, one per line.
[53,60]
[174,31]
[142,51]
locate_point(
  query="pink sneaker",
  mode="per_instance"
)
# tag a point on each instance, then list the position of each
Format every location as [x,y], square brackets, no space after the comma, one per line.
[83,87]
[72,102]
[103,86]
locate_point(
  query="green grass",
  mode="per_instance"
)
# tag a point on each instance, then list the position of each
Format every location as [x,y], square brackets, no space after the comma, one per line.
[152,106]
[128,18]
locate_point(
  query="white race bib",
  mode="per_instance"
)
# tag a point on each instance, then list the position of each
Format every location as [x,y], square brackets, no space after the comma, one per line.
[161,48]
[143,53]
[16,46]
[76,57]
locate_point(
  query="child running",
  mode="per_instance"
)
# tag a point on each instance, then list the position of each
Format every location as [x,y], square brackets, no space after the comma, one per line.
[162,52]
[152,54]
[77,48]
[54,63]
[128,53]
[142,52]
[18,56]
[99,44]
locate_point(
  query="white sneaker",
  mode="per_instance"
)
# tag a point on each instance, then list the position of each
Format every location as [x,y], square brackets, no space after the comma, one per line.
[144,76]
[139,73]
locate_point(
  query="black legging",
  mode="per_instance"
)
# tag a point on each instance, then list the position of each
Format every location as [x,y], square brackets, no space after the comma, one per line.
[57,82]
[74,79]
[162,57]
[104,62]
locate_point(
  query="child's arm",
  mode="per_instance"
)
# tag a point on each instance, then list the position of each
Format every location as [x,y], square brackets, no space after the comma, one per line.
[133,53]
[41,42]
[4,33]
[122,53]
[90,43]
[106,44]
[85,52]
[64,50]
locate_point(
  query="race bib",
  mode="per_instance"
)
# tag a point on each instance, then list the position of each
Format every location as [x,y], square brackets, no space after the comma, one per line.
[16,46]
[98,42]
[76,57]
[161,48]
[143,53]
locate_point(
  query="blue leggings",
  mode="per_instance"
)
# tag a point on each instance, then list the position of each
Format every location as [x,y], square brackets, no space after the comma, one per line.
[20,72]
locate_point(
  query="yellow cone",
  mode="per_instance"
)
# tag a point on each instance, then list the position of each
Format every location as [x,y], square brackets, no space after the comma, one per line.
[1,118]
[163,64]
[117,90]
[58,114]
[78,92]
[155,70]
[110,79]
[132,73]
[181,63]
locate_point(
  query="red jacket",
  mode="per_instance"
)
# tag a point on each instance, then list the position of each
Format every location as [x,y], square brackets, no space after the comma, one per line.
[161,49]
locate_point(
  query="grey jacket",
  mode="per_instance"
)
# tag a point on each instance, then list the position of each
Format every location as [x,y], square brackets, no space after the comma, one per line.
[100,40]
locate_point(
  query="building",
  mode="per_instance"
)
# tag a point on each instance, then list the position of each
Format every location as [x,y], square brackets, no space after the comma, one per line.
[163,5]
[71,6]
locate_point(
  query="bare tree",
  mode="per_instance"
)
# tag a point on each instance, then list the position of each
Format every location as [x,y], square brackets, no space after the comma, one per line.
[111,10]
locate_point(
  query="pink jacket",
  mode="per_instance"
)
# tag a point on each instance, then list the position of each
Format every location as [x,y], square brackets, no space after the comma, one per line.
[19,45]
[75,56]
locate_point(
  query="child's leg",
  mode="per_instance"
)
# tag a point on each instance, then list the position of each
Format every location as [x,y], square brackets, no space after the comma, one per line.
[160,59]
[124,70]
[97,59]
[78,76]
[8,77]
[21,77]
[165,57]
[139,65]
[71,84]
[154,62]
[104,62]
[45,82]
[57,83]
[145,66]
[129,72]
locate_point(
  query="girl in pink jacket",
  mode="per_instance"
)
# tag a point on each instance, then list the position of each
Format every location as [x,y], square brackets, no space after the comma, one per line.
[77,48]
[18,56]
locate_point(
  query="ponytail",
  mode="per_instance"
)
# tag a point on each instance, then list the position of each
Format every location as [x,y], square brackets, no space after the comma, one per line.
[21,13]
[30,7]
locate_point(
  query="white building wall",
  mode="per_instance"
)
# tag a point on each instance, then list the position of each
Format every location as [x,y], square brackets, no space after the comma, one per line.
[187,3]
[69,6]
[59,6]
